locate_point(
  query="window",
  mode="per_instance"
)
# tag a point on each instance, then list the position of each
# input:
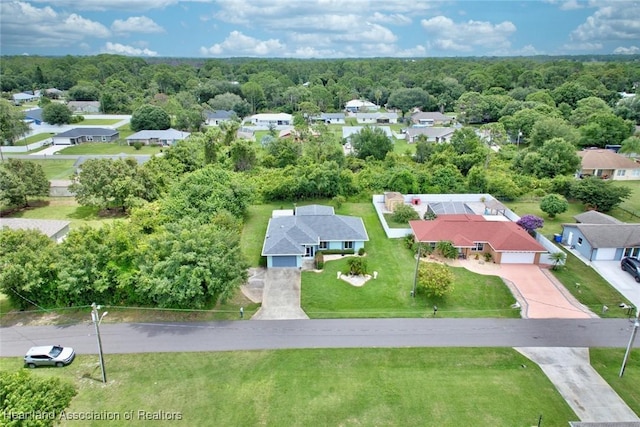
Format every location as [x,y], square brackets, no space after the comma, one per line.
[323,245]
[478,246]
[89,138]
[348,245]
[104,139]
[579,240]
[308,251]
[636,172]
[621,172]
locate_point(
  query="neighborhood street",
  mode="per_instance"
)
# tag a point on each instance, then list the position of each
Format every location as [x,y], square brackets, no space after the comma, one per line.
[333,333]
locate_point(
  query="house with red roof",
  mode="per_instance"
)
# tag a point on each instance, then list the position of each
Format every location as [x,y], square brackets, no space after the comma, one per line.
[506,241]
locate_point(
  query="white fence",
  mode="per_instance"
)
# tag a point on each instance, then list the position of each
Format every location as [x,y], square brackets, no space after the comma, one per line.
[25,148]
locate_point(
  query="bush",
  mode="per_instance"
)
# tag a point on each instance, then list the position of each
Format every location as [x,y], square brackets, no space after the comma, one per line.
[137,145]
[404,213]
[338,201]
[447,249]
[409,241]
[319,260]
[357,266]
[337,252]
[361,251]
[487,256]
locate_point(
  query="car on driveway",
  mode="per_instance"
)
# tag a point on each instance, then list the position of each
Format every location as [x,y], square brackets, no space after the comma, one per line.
[631,266]
[49,355]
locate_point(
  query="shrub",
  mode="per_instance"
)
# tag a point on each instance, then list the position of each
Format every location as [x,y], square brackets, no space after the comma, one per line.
[319,260]
[137,145]
[429,216]
[447,249]
[487,256]
[338,201]
[337,251]
[404,213]
[409,241]
[357,266]
[361,251]
[435,279]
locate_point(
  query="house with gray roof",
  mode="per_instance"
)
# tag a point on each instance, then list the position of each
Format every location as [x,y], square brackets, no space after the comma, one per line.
[377,118]
[54,229]
[33,115]
[85,134]
[290,239]
[349,131]
[329,118]
[166,137]
[84,106]
[600,237]
[433,134]
[430,118]
[214,118]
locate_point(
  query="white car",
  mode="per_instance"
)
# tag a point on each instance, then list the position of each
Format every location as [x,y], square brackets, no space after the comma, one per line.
[49,355]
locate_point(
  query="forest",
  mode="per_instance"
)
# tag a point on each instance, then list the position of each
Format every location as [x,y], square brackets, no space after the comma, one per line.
[523,121]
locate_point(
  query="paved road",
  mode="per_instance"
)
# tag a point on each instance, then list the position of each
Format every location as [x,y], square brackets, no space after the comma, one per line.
[275,334]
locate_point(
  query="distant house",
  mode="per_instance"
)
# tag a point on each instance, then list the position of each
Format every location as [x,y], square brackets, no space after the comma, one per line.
[292,238]
[278,119]
[433,134]
[505,241]
[377,118]
[22,97]
[359,105]
[600,237]
[84,106]
[349,131]
[53,229]
[607,164]
[33,115]
[214,118]
[430,118]
[86,134]
[53,93]
[329,118]
[165,137]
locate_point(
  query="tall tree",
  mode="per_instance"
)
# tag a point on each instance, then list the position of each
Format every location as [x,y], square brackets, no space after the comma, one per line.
[56,114]
[34,182]
[12,124]
[150,117]
[599,194]
[371,141]
[406,99]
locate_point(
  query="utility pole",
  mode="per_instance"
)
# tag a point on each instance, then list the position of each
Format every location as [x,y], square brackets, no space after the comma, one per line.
[636,324]
[415,276]
[96,318]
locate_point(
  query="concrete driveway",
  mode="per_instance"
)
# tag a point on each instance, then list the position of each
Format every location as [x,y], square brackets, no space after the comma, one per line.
[619,279]
[544,296]
[281,295]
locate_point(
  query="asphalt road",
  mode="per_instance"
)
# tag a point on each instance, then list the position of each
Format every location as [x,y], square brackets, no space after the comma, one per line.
[279,334]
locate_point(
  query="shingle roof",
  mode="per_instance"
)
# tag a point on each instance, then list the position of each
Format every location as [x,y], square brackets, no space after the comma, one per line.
[34,114]
[76,132]
[287,235]
[430,115]
[219,114]
[430,132]
[49,227]
[605,159]
[314,210]
[595,217]
[610,235]
[463,230]
[158,134]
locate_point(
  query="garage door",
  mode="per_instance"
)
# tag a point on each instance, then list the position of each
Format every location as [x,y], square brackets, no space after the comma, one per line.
[606,254]
[517,257]
[284,261]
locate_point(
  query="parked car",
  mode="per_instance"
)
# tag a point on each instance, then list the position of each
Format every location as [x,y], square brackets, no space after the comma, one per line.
[632,266]
[49,355]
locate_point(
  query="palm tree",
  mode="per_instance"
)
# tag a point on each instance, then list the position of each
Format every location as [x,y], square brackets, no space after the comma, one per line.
[558,259]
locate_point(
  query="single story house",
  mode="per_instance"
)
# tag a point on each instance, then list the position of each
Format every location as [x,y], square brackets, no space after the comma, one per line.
[608,164]
[377,118]
[348,131]
[433,134]
[290,239]
[86,134]
[214,118]
[430,118]
[54,229]
[265,119]
[506,241]
[329,118]
[600,237]
[84,106]
[33,115]
[356,105]
[165,137]
[22,97]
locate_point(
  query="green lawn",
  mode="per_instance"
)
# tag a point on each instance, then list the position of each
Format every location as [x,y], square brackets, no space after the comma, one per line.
[99,122]
[254,230]
[34,138]
[64,208]
[56,168]
[402,147]
[346,387]
[551,226]
[325,296]
[108,148]
[632,204]
[608,361]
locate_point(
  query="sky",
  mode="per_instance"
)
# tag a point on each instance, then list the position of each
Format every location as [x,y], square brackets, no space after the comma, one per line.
[319,28]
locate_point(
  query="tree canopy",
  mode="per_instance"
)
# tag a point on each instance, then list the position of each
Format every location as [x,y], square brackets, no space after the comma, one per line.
[150,117]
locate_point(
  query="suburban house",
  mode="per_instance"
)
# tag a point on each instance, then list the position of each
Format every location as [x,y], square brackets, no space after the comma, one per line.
[54,229]
[358,105]
[53,93]
[433,134]
[22,97]
[608,164]
[377,118]
[348,131]
[33,115]
[165,137]
[600,237]
[84,106]
[430,118]
[329,118]
[296,235]
[505,241]
[277,119]
[214,118]
[86,134]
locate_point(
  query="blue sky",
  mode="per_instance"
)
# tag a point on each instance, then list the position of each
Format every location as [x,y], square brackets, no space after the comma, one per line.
[319,28]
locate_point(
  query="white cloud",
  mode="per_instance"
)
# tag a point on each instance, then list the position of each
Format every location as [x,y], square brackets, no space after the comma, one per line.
[569,47]
[25,25]
[105,5]
[612,21]
[136,24]
[394,18]
[238,44]
[464,36]
[631,50]
[568,4]
[121,49]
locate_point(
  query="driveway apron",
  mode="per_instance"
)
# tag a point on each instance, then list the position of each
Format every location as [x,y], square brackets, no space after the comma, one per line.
[281,295]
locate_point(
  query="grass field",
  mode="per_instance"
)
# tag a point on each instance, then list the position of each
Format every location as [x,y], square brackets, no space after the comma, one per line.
[551,226]
[607,361]
[320,387]
[64,208]
[108,148]
[100,122]
[56,168]
[632,204]
[34,138]
[325,296]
